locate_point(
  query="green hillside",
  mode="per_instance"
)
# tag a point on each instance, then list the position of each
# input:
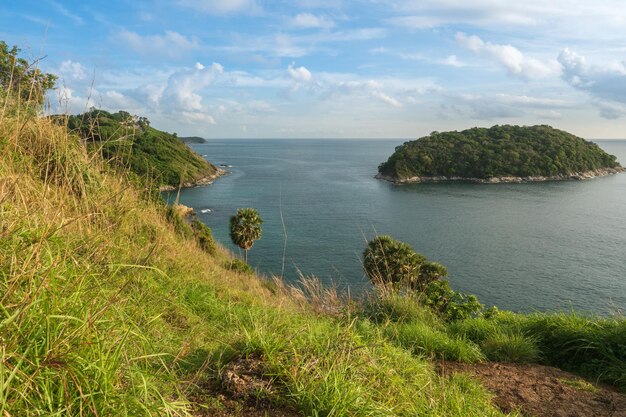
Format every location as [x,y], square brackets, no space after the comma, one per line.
[114,304]
[131,142]
[499,151]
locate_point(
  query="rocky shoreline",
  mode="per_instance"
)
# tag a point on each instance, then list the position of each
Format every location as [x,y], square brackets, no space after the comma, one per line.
[601,172]
[198,183]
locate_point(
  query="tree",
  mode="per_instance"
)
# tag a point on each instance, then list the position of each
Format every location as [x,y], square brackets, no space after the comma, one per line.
[429,272]
[245,228]
[390,262]
[21,78]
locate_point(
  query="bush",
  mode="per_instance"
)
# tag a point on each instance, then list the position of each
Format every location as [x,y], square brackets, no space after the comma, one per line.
[451,305]
[177,220]
[238,265]
[203,235]
[389,262]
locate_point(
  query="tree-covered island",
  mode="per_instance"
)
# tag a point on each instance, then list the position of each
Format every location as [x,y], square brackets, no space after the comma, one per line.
[498,154]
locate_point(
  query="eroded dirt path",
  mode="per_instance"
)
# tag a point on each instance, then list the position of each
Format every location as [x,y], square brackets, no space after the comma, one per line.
[542,391]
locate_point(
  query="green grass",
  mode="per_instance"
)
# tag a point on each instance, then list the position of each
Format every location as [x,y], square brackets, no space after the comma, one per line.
[580,384]
[426,341]
[591,346]
[109,306]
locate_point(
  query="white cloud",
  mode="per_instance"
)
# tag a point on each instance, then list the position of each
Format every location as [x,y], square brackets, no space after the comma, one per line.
[300,74]
[72,70]
[511,58]
[416,22]
[171,44]
[149,94]
[65,12]
[564,19]
[221,7]
[114,100]
[66,101]
[182,88]
[386,99]
[197,117]
[606,84]
[308,20]
[452,61]
[504,106]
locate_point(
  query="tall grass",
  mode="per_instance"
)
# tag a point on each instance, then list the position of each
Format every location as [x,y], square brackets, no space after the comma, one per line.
[109,307]
[592,346]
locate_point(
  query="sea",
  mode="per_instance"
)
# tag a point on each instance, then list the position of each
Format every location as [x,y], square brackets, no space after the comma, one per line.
[553,246]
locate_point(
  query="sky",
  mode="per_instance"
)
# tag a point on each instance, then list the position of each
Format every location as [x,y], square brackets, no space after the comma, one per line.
[333,68]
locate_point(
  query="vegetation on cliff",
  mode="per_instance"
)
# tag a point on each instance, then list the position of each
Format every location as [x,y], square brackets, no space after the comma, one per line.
[130,141]
[112,304]
[499,151]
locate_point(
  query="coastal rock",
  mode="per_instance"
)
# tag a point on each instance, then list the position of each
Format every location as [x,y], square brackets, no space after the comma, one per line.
[577,176]
[198,183]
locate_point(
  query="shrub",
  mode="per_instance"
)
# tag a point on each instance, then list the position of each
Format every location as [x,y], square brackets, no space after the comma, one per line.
[450,304]
[177,220]
[238,265]
[203,235]
[390,262]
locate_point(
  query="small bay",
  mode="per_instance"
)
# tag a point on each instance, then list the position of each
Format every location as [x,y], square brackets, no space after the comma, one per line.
[538,246]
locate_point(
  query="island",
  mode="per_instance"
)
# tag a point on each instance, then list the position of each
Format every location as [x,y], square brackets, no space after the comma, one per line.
[193,139]
[129,141]
[502,153]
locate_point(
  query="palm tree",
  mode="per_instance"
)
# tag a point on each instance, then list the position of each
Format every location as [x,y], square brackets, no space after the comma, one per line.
[245,228]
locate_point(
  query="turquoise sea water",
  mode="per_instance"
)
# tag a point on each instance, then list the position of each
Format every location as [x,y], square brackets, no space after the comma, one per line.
[545,246]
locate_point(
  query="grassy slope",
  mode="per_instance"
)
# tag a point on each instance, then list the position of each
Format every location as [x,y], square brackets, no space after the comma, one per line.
[105,309]
[108,308]
[143,149]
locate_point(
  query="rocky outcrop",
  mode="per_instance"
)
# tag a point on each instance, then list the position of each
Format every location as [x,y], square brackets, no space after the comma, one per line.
[602,172]
[198,183]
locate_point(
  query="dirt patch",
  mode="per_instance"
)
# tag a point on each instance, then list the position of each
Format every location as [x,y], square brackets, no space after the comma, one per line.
[246,390]
[542,391]
[222,406]
[245,378]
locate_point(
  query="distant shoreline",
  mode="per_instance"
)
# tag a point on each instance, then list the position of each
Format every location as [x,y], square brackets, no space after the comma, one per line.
[197,183]
[575,176]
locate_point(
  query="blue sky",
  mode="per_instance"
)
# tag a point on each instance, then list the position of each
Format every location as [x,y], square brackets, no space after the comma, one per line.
[341,68]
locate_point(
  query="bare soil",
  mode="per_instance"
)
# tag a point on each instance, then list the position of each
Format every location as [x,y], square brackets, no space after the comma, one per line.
[245,390]
[542,391]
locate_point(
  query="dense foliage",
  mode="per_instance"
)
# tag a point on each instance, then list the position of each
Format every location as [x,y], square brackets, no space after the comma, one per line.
[193,139]
[394,265]
[499,151]
[388,261]
[450,304]
[130,141]
[204,236]
[22,78]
